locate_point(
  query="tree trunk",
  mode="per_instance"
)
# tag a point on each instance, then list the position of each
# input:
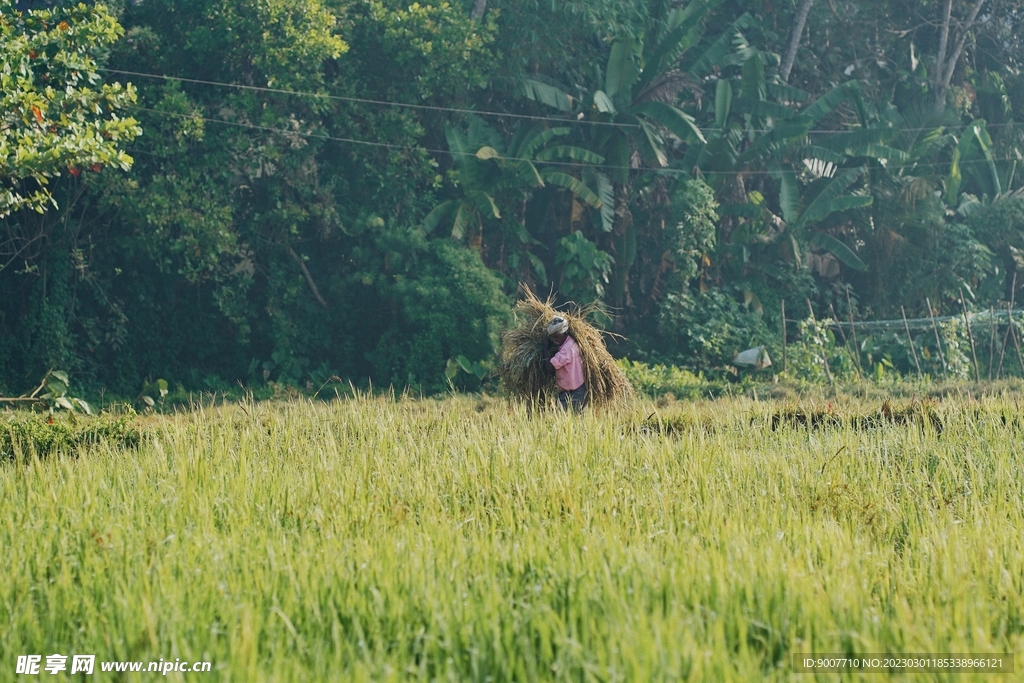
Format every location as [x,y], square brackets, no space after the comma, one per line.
[944,69]
[479,7]
[940,56]
[309,277]
[794,38]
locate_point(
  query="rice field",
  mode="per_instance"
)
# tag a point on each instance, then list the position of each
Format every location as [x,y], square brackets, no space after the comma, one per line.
[464,539]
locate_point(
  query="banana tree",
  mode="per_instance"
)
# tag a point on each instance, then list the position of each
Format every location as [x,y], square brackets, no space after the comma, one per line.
[490,173]
[898,155]
[821,199]
[906,172]
[639,99]
[477,178]
[974,137]
[760,147]
[639,92]
[925,172]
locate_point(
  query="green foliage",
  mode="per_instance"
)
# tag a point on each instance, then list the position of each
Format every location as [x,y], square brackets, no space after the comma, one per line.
[585,268]
[57,117]
[704,331]
[999,224]
[276,43]
[816,346]
[25,435]
[830,198]
[659,380]
[887,355]
[435,42]
[231,252]
[53,394]
[445,304]
[631,152]
[691,235]
[487,171]
[956,347]
[480,369]
[152,393]
[279,39]
[936,256]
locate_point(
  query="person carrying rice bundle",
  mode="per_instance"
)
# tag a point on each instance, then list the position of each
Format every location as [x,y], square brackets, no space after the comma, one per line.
[566,364]
[549,353]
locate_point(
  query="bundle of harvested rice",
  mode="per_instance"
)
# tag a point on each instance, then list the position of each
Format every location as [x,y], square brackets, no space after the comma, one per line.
[522,364]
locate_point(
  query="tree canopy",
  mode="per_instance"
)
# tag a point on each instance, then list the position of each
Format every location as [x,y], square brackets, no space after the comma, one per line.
[57,115]
[292,190]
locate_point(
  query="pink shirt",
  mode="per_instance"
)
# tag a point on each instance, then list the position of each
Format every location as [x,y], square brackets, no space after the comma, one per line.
[568,366]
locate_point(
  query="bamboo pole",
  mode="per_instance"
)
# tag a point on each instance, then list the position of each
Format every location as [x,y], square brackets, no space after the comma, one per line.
[785,365]
[938,342]
[824,354]
[846,342]
[1013,330]
[991,340]
[853,330]
[1013,335]
[1003,349]
[910,339]
[1006,337]
[970,336]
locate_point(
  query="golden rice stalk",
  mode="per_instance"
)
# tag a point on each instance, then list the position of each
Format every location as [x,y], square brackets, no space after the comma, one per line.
[521,368]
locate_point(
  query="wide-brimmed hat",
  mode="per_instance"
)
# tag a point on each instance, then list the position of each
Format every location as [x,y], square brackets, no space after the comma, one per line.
[558,325]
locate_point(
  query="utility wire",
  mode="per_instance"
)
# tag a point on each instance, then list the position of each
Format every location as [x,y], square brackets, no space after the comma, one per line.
[456,110]
[415,148]
[361,100]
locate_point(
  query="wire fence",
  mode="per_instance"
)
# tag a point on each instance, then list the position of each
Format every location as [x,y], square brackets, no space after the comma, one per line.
[918,324]
[987,346]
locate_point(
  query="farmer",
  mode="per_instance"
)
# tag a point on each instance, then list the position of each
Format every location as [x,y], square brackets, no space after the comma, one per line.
[566,364]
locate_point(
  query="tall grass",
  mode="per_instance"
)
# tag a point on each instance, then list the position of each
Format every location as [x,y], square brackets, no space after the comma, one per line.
[372,539]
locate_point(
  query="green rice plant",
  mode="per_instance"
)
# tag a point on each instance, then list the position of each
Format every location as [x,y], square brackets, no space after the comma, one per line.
[390,539]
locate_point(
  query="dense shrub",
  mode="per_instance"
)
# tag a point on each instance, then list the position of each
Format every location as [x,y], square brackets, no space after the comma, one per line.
[655,381]
[704,331]
[25,434]
[446,304]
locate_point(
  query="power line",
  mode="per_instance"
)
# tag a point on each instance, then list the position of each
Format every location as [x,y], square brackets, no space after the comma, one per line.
[361,100]
[416,148]
[285,132]
[457,110]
